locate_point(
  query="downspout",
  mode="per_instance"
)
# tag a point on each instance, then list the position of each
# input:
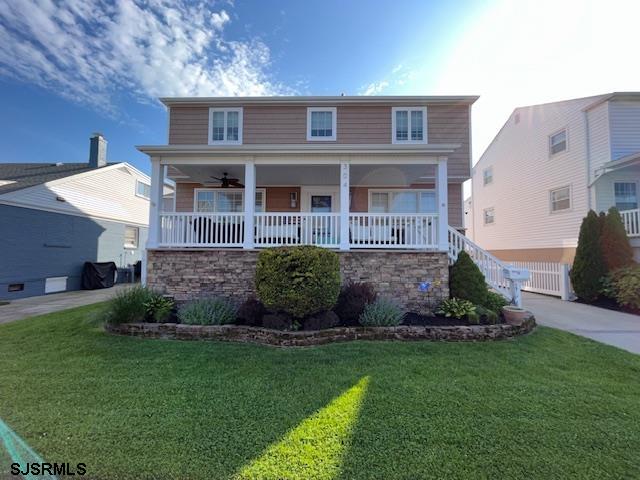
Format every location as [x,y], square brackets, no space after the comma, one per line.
[588,159]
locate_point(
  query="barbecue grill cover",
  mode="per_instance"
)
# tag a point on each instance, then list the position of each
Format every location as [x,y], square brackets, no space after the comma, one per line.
[98,275]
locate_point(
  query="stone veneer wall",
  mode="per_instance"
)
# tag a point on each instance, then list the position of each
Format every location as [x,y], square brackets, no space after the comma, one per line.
[187,274]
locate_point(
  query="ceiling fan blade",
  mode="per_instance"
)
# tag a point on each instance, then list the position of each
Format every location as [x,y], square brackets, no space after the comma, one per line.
[237,184]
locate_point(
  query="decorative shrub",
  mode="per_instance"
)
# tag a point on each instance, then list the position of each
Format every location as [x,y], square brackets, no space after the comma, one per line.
[588,265]
[466,281]
[381,313]
[495,302]
[207,311]
[298,280]
[352,300]
[614,244]
[486,315]
[250,313]
[158,308]
[128,306]
[626,286]
[321,321]
[456,308]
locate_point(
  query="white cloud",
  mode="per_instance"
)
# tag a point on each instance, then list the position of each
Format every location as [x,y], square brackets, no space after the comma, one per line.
[374,88]
[91,51]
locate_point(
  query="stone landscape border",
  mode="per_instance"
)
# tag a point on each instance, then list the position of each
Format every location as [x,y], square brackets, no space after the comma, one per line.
[305,338]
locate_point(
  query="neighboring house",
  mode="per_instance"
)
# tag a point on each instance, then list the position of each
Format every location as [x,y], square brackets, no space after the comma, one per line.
[548,166]
[378,179]
[56,216]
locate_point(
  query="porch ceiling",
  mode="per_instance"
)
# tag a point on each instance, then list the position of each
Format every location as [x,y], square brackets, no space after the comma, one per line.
[272,175]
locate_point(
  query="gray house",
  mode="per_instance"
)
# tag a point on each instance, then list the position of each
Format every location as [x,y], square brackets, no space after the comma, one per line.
[56,216]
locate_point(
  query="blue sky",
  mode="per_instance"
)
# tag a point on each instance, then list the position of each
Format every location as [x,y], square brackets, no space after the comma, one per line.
[81,66]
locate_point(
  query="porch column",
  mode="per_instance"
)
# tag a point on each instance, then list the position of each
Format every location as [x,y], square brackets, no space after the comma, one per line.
[155,203]
[443,208]
[344,206]
[249,203]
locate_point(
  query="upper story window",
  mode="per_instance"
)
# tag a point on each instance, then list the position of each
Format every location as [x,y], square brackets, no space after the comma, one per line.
[143,189]
[626,195]
[321,123]
[558,142]
[489,216]
[225,126]
[487,176]
[409,124]
[560,199]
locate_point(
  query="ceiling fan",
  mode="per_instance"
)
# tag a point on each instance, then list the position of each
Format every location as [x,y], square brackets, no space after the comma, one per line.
[227,182]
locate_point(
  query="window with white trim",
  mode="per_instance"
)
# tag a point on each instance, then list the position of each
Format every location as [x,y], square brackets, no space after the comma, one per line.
[487,176]
[489,216]
[225,126]
[560,199]
[558,142]
[131,236]
[402,201]
[321,123]
[224,200]
[409,125]
[626,195]
[143,189]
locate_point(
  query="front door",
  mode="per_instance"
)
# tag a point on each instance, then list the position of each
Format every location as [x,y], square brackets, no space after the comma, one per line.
[321,229]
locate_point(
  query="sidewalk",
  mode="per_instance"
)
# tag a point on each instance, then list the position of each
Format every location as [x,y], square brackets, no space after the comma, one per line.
[619,329]
[28,307]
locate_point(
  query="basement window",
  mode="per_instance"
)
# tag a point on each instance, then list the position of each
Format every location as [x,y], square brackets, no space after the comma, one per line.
[131,236]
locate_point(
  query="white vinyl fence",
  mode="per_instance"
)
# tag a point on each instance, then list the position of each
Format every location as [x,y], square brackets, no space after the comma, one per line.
[549,278]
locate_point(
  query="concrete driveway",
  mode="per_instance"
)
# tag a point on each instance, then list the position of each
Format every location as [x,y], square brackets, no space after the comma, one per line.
[621,330]
[29,307]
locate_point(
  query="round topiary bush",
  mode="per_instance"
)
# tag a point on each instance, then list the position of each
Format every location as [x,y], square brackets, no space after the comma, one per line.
[300,280]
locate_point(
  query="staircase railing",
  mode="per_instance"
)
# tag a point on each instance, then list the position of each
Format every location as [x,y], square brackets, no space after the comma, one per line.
[492,268]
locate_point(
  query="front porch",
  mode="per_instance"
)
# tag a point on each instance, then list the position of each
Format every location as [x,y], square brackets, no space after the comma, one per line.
[362,203]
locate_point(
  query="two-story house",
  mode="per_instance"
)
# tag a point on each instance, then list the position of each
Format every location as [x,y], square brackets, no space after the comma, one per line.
[378,179]
[548,166]
[54,217]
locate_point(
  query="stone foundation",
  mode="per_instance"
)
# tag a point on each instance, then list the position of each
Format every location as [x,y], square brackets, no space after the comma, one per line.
[265,336]
[186,274]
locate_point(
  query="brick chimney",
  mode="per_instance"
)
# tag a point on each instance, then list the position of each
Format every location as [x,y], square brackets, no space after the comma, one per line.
[97,151]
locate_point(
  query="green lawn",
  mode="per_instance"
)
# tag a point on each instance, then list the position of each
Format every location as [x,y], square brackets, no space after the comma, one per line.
[548,405]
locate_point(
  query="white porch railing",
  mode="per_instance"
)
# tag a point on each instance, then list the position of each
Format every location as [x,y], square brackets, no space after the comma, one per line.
[381,230]
[631,221]
[201,229]
[549,278]
[492,268]
[275,229]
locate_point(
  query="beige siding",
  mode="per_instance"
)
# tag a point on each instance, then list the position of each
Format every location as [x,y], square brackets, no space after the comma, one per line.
[355,125]
[558,255]
[104,193]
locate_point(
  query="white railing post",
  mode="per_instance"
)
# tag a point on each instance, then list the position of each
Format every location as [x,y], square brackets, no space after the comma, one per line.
[443,209]
[155,203]
[344,206]
[249,204]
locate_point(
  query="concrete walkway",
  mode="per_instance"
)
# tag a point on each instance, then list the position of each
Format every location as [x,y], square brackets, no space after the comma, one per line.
[29,307]
[619,329]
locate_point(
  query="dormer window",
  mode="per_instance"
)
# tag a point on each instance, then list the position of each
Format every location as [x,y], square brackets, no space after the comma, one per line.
[409,125]
[225,126]
[321,124]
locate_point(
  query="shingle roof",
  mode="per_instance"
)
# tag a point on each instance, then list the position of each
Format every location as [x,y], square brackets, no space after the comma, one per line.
[16,176]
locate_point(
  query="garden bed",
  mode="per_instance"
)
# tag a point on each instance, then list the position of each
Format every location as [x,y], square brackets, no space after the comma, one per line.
[303,338]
